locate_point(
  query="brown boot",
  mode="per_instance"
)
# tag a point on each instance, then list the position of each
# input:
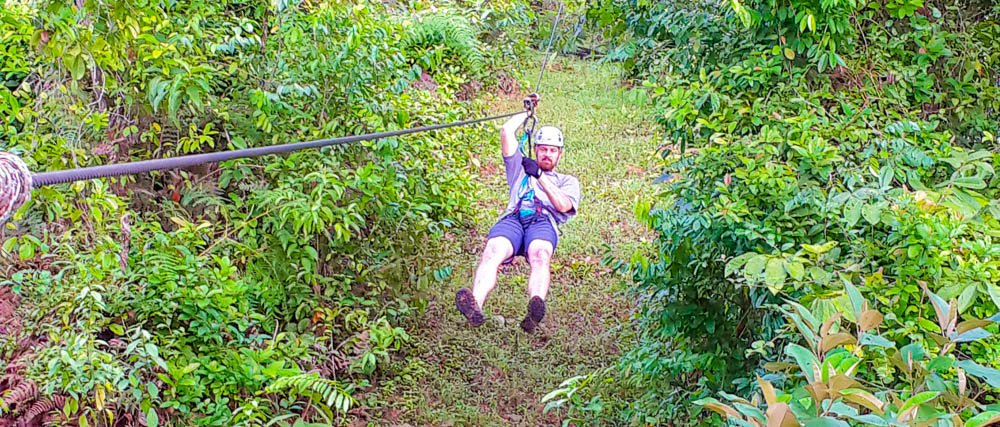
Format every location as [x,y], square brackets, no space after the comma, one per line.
[536,312]
[466,304]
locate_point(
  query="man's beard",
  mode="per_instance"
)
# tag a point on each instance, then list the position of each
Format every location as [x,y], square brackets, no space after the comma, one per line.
[546,166]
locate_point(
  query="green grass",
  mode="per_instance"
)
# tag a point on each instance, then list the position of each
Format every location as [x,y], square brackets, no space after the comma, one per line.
[496,374]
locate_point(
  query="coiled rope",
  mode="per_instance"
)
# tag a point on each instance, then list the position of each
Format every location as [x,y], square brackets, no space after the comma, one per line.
[15,184]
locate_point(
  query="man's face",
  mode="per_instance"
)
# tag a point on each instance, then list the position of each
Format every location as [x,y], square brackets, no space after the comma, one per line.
[547,157]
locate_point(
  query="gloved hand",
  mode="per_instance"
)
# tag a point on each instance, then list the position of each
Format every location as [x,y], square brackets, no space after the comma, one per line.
[531,167]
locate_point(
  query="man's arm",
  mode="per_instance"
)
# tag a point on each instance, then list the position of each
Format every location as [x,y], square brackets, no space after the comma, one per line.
[560,200]
[508,142]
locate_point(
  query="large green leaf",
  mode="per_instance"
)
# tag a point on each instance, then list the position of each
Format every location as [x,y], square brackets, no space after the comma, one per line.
[796,270]
[755,266]
[984,419]
[736,263]
[994,292]
[912,352]
[875,340]
[852,212]
[857,302]
[806,359]
[972,335]
[967,297]
[872,213]
[990,375]
[774,275]
[918,399]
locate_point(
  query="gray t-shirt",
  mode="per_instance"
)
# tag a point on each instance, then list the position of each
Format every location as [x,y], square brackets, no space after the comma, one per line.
[520,186]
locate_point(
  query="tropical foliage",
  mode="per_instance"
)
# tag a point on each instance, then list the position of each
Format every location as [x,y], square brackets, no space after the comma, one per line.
[264,291]
[811,148]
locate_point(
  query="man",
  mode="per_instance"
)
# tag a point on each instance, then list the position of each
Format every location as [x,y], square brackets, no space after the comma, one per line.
[540,200]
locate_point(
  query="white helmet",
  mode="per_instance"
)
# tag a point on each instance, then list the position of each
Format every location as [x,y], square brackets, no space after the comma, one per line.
[549,135]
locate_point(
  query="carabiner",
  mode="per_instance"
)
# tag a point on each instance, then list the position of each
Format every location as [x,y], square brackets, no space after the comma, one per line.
[530,102]
[528,127]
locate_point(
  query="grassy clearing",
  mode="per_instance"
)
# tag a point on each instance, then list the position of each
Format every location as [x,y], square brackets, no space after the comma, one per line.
[496,374]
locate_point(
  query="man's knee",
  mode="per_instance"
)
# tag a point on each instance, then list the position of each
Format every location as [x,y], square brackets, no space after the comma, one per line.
[540,253]
[497,249]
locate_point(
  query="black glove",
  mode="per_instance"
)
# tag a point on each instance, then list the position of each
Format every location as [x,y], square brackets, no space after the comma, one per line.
[531,167]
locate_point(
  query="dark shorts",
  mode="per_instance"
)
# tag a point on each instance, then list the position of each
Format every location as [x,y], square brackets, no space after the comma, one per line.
[522,231]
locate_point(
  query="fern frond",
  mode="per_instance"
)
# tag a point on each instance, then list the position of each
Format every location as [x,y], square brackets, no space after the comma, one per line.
[24,392]
[453,32]
[43,406]
[329,392]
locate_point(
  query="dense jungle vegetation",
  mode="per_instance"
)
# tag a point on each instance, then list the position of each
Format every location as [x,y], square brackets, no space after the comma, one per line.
[827,221]
[263,291]
[821,205]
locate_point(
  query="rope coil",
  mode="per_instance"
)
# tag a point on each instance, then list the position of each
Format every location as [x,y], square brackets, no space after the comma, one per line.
[15,184]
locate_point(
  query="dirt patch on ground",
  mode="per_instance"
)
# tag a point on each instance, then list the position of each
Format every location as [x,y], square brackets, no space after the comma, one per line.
[507,86]
[10,323]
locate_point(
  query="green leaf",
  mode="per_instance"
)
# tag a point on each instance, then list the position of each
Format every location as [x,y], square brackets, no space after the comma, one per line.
[194,96]
[755,266]
[852,212]
[807,315]
[990,375]
[941,307]
[871,419]
[26,251]
[790,54]
[967,297]
[941,364]
[984,419]
[806,360]
[750,411]
[76,65]
[872,213]
[875,340]
[973,182]
[152,419]
[972,335]
[857,302]
[804,324]
[796,270]
[774,276]
[826,422]
[154,392]
[819,249]
[912,352]
[736,263]
[8,246]
[994,292]
[117,329]
[918,399]
[811,21]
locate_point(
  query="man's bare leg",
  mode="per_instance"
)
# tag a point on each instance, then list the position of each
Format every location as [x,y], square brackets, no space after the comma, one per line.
[540,259]
[471,303]
[497,250]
